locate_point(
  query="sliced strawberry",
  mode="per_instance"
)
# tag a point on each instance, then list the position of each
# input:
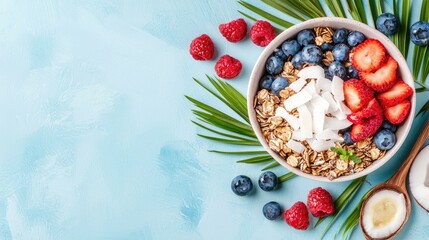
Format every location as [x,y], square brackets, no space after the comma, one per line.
[369,55]
[398,113]
[367,128]
[384,78]
[357,95]
[371,110]
[400,91]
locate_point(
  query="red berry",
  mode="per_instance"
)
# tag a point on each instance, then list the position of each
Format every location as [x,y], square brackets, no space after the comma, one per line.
[399,92]
[367,128]
[262,33]
[369,55]
[234,31]
[228,67]
[202,48]
[371,110]
[382,79]
[357,95]
[297,216]
[320,202]
[398,113]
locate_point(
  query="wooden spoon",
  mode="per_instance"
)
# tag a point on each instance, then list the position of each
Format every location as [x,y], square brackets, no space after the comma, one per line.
[397,183]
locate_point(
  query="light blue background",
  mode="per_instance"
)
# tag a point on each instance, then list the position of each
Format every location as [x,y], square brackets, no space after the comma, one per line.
[97,141]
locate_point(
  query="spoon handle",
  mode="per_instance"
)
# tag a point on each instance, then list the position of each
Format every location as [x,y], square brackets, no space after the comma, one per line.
[401,175]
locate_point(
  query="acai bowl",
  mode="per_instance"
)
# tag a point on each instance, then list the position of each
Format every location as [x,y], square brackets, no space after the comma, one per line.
[331,99]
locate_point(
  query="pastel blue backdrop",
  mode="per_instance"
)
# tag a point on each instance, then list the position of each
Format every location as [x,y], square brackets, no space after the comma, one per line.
[97,141]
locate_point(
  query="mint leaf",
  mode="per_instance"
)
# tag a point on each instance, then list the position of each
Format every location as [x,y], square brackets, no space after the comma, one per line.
[355,158]
[340,151]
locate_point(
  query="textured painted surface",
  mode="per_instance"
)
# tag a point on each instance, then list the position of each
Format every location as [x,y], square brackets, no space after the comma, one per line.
[96,139]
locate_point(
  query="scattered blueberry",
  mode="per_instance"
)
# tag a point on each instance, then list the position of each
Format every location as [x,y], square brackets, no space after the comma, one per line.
[306,37]
[268,181]
[297,60]
[389,126]
[274,65]
[341,52]
[355,38]
[384,139]
[241,185]
[352,72]
[279,84]
[328,74]
[337,69]
[340,35]
[266,82]
[272,210]
[326,46]
[290,47]
[387,24]
[311,54]
[347,139]
[280,54]
[420,33]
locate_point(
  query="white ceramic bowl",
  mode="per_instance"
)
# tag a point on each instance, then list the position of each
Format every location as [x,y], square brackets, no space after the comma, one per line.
[335,23]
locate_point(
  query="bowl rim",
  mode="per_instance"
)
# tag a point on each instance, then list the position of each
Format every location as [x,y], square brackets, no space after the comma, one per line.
[405,73]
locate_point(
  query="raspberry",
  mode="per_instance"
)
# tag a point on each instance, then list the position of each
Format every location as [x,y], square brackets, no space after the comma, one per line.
[297,216]
[228,67]
[262,33]
[320,202]
[234,31]
[202,48]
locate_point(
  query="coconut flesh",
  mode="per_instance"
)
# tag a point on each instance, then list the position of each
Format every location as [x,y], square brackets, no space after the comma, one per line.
[384,213]
[419,178]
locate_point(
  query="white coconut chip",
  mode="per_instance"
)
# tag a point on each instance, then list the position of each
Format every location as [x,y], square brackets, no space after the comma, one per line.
[332,104]
[337,88]
[343,108]
[296,135]
[298,84]
[305,121]
[295,146]
[320,145]
[297,100]
[310,88]
[318,116]
[319,102]
[292,120]
[336,124]
[323,84]
[328,134]
[312,72]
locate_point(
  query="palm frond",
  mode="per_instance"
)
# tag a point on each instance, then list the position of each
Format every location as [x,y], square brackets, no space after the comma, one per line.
[376,8]
[239,153]
[271,165]
[287,176]
[336,8]
[266,15]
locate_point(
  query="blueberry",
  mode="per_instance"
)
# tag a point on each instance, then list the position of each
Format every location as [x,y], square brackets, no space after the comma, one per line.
[347,139]
[342,131]
[311,54]
[420,33]
[279,84]
[326,46]
[340,35]
[274,65]
[272,210]
[389,126]
[387,24]
[297,60]
[352,72]
[384,139]
[290,47]
[266,82]
[355,38]
[337,69]
[241,185]
[341,52]
[306,37]
[280,54]
[268,181]
[328,75]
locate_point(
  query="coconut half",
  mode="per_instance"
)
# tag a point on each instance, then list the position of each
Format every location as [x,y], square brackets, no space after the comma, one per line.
[419,178]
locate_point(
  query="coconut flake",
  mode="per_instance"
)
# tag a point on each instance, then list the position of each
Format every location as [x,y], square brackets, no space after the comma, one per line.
[323,84]
[295,146]
[319,102]
[332,104]
[336,124]
[343,108]
[305,122]
[298,84]
[292,120]
[318,119]
[328,134]
[339,115]
[320,145]
[297,100]
[312,72]
[337,88]
[310,88]
[297,135]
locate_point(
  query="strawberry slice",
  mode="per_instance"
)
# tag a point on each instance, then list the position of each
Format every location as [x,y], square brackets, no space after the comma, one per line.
[398,113]
[373,109]
[369,55]
[399,92]
[366,128]
[384,78]
[356,94]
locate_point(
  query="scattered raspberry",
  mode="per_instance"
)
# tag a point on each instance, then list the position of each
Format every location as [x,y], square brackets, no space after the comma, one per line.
[234,31]
[297,216]
[262,33]
[228,67]
[202,48]
[320,202]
